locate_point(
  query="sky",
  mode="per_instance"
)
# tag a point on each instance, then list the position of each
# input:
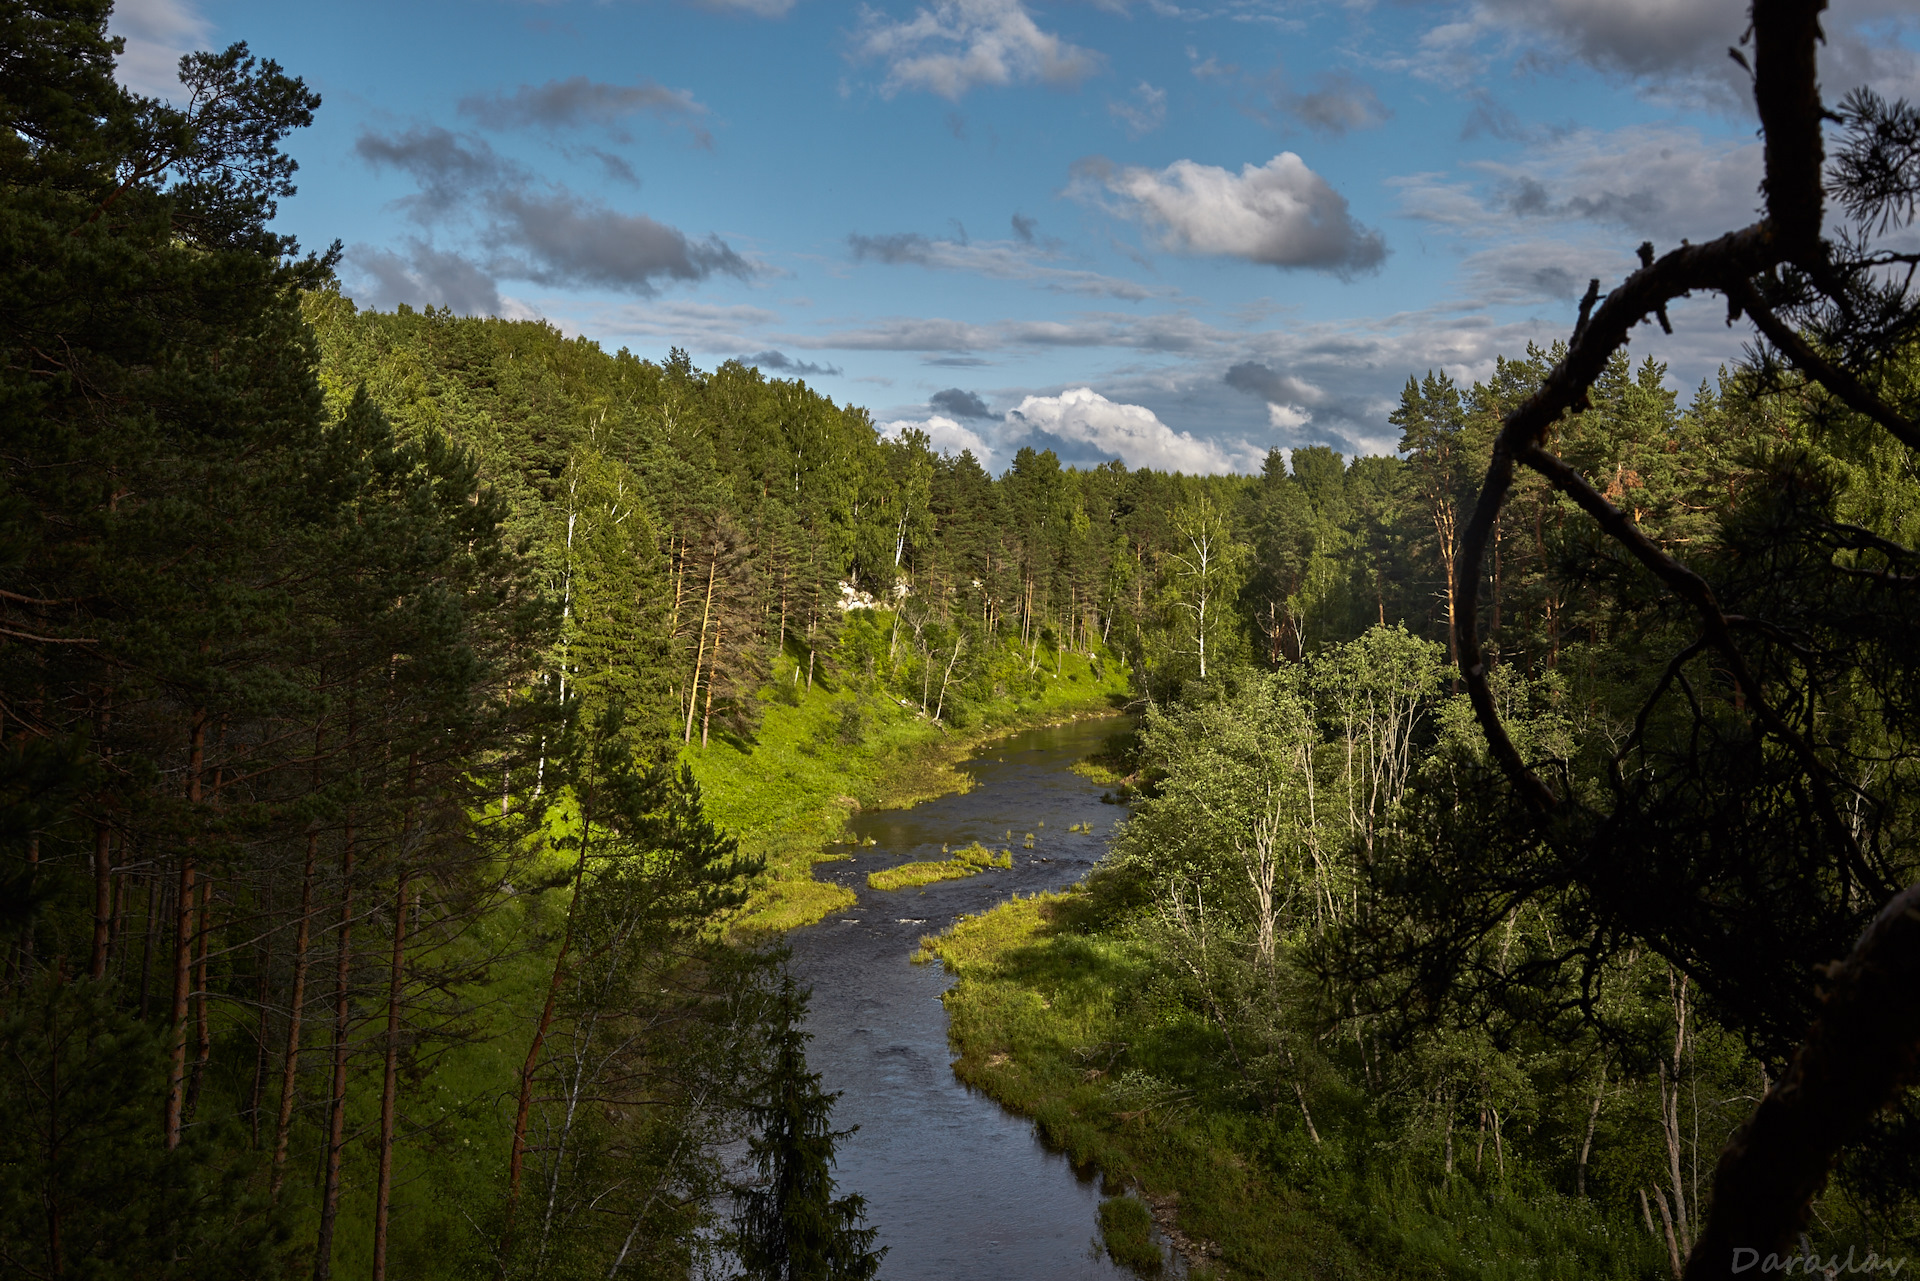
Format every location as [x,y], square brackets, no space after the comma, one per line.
[1180,234]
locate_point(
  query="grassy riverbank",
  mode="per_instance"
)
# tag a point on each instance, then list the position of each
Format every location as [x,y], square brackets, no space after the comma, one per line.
[823,754]
[1055,1019]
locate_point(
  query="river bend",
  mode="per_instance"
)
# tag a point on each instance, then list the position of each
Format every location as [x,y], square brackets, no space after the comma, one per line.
[959,1187]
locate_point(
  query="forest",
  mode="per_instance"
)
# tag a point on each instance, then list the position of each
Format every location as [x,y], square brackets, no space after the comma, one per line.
[376,894]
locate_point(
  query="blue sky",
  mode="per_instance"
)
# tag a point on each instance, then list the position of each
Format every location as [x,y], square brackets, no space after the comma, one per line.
[1177,235]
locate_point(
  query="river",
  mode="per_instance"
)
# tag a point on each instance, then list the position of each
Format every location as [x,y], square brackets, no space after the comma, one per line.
[959,1187]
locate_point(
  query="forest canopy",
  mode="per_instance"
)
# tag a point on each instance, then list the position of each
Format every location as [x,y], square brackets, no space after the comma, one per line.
[363,906]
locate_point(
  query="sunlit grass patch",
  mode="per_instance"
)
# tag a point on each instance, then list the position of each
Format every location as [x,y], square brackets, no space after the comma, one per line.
[788,792]
[982,857]
[908,875]
[970,861]
[788,904]
[1093,770]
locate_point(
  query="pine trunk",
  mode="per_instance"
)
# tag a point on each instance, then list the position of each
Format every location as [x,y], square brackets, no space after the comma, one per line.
[156,896]
[202,1033]
[396,973]
[183,950]
[182,991]
[1443,526]
[261,1055]
[1586,1148]
[102,871]
[296,1008]
[706,613]
[713,669]
[337,1092]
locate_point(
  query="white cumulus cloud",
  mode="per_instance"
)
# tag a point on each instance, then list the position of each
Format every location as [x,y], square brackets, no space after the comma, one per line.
[958,44]
[1133,432]
[1287,417]
[1281,213]
[946,436]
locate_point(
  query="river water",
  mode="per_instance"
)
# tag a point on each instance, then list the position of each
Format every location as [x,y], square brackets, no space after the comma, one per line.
[959,1187]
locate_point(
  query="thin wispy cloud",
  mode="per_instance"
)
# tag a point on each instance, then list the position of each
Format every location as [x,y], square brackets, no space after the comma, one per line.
[1172,332]
[1336,104]
[420,275]
[779,362]
[1637,37]
[449,170]
[1654,181]
[1331,104]
[157,33]
[1142,112]
[755,8]
[1021,259]
[577,102]
[684,322]
[1670,50]
[558,238]
[1256,379]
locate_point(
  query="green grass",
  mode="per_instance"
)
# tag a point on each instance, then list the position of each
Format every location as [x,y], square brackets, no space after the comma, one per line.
[970,861]
[789,791]
[1093,770]
[1045,1019]
[1126,1229]
[908,875]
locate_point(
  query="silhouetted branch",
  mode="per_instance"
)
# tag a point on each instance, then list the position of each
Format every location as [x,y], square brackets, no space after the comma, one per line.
[1863,1049]
[1853,393]
[1865,1045]
[1786,90]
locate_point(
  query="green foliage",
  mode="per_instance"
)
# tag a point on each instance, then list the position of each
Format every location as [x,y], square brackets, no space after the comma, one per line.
[355,664]
[87,1188]
[316,705]
[1066,1022]
[1126,1229]
[788,792]
[1241,969]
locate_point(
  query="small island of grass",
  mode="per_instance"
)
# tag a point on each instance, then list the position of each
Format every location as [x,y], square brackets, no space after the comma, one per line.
[968,861]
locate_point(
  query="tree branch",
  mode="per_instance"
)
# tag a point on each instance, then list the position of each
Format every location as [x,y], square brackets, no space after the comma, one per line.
[1853,393]
[1786,90]
[1862,1051]
[49,640]
[1602,331]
